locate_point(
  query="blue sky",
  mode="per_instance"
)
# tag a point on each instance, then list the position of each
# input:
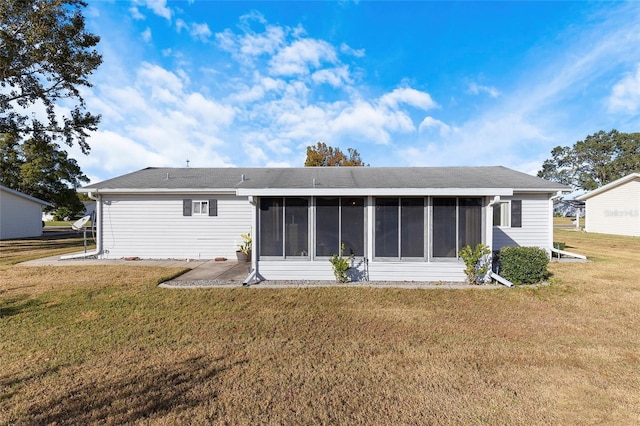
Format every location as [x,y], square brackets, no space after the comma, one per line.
[406,84]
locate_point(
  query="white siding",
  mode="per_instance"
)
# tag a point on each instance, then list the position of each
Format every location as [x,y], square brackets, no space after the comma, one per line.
[321,269]
[535,231]
[616,211]
[417,271]
[153,227]
[19,217]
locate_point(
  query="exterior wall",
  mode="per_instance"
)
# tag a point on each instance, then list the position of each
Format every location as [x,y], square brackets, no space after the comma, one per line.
[616,211]
[153,227]
[536,230]
[320,269]
[19,217]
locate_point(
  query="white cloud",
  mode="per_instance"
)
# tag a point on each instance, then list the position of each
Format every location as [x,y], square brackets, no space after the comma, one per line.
[335,77]
[299,56]
[135,13]
[244,48]
[200,31]
[625,95]
[348,50]
[181,25]
[431,123]
[146,35]
[159,7]
[476,89]
[203,109]
[165,86]
[408,96]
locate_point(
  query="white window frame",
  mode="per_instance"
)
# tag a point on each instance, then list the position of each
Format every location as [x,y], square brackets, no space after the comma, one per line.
[197,208]
[504,213]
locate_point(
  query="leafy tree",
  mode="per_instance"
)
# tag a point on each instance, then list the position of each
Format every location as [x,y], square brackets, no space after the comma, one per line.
[46,56]
[41,169]
[599,159]
[323,155]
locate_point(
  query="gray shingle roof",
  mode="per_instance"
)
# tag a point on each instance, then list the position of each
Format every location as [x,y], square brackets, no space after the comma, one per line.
[324,177]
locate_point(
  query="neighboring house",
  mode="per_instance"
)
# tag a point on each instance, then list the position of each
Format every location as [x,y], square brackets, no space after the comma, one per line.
[88,210]
[614,208]
[20,214]
[569,208]
[400,223]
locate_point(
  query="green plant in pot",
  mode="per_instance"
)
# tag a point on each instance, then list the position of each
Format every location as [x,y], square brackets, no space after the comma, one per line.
[244,248]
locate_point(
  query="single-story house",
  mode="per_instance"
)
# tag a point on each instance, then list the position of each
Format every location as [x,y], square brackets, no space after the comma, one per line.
[20,214]
[615,207]
[401,223]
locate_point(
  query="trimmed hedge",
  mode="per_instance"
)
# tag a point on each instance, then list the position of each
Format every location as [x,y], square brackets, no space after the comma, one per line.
[523,265]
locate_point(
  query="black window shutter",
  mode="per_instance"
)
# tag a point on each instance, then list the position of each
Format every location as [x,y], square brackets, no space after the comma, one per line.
[213,207]
[516,213]
[186,207]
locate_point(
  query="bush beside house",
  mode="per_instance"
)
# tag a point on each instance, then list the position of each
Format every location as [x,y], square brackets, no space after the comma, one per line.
[523,265]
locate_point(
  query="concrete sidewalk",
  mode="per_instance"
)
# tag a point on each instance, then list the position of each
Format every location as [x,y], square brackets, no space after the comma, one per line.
[199,269]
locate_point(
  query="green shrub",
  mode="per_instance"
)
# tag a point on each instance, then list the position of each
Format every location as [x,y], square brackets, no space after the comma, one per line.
[474,259]
[523,265]
[62,213]
[341,265]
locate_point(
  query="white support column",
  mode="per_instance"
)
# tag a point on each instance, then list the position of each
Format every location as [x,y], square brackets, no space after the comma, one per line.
[369,227]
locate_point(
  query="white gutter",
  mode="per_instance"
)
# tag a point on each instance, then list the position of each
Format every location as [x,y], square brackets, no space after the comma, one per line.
[319,191]
[158,190]
[551,199]
[98,220]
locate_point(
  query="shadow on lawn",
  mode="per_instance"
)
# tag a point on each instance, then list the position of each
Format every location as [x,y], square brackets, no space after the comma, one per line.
[146,393]
[16,305]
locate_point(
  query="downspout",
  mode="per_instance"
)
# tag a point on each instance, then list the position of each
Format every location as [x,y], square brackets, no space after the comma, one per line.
[98,220]
[490,274]
[551,199]
[253,274]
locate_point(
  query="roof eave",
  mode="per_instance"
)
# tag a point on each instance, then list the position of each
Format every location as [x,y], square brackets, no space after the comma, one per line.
[87,190]
[266,192]
[609,186]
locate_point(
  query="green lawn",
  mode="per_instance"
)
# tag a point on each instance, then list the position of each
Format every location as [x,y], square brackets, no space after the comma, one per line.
[96,344]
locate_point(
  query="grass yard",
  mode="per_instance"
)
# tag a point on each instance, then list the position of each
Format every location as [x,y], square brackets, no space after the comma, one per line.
[15,251]
[85,344]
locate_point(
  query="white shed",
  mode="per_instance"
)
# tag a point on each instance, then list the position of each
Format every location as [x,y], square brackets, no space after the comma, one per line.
[20,214]
[614,208]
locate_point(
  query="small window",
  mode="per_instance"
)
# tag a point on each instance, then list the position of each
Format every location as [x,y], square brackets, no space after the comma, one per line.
[502,214]
[508,214]
[200,208]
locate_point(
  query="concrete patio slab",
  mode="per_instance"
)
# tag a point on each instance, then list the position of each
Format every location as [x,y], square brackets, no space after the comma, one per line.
[199,269]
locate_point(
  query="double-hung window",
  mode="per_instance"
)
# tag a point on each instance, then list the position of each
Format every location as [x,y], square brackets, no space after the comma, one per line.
[200,208]
[508,214]
[399,227]
[339,220]
[284,227]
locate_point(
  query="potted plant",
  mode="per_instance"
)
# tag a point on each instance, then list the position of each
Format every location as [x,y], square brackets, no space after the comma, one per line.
[244,249]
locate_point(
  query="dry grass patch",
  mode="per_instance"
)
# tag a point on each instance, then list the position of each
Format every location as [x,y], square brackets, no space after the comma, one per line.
[93,344]
[15,251]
